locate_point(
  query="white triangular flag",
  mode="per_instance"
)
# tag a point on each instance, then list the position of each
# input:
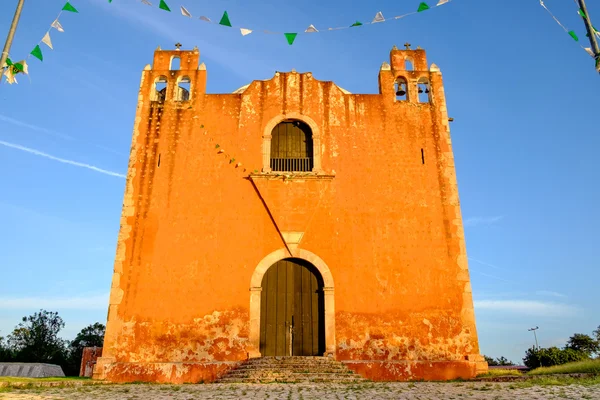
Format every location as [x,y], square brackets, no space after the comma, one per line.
[441,2]
[589,51]
[46,40]
[378,18]
[25,69]
[203,18]
[146,2]
[57,26]
[311,29]
[10,78]
[185,12]
[245,31]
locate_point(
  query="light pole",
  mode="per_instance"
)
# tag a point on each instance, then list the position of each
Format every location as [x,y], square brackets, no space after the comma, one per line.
[534,335]
[11,33]
[591,33]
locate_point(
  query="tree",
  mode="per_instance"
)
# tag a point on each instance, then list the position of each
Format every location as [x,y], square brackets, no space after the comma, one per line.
[547,357]
[583,343]
[90,336]
[36,339]
[5,353]
[498,361]
[597,333]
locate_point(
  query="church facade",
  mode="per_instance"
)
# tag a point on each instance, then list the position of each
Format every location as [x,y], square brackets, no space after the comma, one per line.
[290,217]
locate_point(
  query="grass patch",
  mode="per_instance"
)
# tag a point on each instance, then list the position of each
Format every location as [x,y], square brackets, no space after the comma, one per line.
[580,367]
[500,372]
[557,381]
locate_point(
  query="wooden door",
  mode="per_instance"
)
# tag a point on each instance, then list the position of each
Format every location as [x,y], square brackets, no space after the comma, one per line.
[292,296]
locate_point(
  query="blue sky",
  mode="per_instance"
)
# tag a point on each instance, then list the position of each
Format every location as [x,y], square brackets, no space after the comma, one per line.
[523,95]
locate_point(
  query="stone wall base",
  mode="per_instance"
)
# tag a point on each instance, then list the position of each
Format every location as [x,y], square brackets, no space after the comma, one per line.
[168,372]
[413,370]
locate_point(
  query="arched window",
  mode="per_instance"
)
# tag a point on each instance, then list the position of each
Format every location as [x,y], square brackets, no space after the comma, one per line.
[291,147]
[183,89]
[159,91]
[408,64]
[401,89]
[423,89]
[175,63]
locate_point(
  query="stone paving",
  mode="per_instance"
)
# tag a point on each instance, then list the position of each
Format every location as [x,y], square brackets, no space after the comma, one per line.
[326,391]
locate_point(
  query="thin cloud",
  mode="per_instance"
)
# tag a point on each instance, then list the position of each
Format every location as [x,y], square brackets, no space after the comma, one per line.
[80,302]
[527,307]
[61,160]
[550,293]
[34,127]
[51,132]
[495,277]
[486,264]
[474,221]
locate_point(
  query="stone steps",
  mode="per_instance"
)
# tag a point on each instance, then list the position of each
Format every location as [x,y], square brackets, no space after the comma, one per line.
[292,370]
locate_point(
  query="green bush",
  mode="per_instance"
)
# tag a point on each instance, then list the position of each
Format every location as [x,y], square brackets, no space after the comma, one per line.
[535,358]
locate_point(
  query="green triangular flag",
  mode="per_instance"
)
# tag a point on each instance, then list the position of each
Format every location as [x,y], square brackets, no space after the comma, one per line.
[357,23]
[8,62]
[163,6]
[580,11]
[69,7]
[422,7]
[37,52]
[574,36]
[18,67]
[290,37]
[225,20]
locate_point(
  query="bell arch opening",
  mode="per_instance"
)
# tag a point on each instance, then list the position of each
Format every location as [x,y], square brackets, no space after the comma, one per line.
[292,317]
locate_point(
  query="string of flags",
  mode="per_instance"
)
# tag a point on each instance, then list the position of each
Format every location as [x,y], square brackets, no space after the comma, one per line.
[572,32]
[291,36]
[12,69]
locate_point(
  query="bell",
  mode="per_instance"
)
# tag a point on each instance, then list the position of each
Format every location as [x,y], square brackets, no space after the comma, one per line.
[427,90]
[400,92]
[420,90]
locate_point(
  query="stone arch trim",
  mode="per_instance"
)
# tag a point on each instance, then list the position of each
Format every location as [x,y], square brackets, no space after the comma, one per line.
[316,137]
[255,297]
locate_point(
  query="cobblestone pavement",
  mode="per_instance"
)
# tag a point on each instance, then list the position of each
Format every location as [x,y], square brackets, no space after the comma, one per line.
[325,391]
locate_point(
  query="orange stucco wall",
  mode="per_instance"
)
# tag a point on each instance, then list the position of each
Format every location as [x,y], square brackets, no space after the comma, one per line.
[385,225]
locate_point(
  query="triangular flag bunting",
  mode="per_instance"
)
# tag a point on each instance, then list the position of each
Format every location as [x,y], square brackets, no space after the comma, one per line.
[311,29]
[69,7]
[185,12]
[203,18]
[56,25]
[442,2]
[357,23]
[10,77]
[422,7]
[245,31]
[37,53]
[21,66]
[580,12]
[46,40]
[589,51]
[164,6]
[290,37]
[574,36]
[7,63]
[225,20]
[378,18]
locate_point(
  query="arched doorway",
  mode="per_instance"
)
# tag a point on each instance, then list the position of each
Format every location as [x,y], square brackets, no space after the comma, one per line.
[292,317]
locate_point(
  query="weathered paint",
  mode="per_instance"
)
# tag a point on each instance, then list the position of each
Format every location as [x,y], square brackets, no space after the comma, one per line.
[382,227]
